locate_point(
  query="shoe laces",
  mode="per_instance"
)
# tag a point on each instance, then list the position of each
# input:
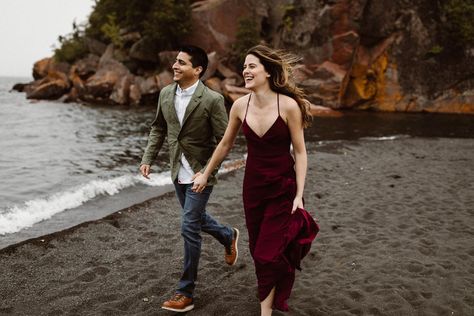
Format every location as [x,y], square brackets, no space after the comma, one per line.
[178,298]
[229,250]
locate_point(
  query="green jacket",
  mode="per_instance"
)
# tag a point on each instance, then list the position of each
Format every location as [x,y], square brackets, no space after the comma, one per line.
[204,124]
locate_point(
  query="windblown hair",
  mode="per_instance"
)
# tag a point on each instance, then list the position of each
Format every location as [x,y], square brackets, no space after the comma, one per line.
[198,57]
[279,64]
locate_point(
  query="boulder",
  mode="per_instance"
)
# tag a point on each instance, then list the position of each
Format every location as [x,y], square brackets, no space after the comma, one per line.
[94,46]
[86,67]
[107,56]
[145,90]
[51,87]
[42,67]
[231,91]
[121,91]
[167,59]
[147,85]
[134,95]
[108,78]
[101,84]
[211,67]
[163,79]
[228,73]
[130,38]
[72,96]
[20,87]
[214,83]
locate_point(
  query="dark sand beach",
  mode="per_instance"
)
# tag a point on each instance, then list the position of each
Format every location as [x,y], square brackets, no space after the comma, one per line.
[397,238]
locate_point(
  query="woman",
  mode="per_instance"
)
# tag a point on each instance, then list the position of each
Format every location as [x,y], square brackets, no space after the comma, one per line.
[272,117]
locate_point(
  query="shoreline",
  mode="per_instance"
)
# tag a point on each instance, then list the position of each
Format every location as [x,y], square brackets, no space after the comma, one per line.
[397,235]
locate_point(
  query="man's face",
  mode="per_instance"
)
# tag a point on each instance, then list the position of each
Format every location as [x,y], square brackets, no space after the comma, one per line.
[183,71]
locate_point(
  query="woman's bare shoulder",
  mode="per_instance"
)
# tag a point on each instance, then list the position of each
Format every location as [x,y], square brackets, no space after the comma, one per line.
[288,104]
[239,106]
[241,102]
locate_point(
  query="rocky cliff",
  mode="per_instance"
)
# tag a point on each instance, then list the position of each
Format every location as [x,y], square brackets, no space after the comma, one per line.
[356,54]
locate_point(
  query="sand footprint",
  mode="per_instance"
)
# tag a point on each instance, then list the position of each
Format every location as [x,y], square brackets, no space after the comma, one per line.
[102,270]
[91,275]
[87,277]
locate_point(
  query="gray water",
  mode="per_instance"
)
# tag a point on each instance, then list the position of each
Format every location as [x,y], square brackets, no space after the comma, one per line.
[63,164]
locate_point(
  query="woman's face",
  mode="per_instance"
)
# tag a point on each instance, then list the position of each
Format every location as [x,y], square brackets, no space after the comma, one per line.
[254,73]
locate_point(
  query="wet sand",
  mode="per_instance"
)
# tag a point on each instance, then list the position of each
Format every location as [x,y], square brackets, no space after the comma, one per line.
[397,238]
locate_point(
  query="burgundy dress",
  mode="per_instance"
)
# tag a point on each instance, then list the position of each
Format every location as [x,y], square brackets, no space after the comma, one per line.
[278,240]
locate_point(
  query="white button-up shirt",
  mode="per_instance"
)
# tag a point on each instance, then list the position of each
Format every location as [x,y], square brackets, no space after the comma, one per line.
[181,101]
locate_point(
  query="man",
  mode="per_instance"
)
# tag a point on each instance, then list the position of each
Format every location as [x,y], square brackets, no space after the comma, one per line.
[193,118]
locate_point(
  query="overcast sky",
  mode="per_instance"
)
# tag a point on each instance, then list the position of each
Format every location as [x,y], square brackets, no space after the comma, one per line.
[29,29]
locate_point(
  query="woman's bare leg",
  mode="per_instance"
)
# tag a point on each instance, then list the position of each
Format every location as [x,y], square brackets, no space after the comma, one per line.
[267,303]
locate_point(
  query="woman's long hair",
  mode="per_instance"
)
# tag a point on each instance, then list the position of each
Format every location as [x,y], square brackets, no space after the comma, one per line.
[279,64]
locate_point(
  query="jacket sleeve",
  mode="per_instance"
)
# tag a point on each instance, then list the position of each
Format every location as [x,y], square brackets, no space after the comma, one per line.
[219,121]
[156,137]
[219,118]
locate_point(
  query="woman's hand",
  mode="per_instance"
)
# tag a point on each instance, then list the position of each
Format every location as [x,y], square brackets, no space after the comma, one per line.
[199,182]
[297,203]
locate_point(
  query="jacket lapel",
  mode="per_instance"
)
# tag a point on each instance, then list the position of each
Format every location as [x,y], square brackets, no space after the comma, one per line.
[195,100]
[168,103]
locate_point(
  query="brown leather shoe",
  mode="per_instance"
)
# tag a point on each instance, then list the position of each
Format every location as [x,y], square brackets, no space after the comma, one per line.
[232,252]
[179,303]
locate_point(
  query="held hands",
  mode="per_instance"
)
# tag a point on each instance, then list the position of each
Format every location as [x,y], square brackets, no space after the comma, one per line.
[145,171]
[297,203]
[199,182]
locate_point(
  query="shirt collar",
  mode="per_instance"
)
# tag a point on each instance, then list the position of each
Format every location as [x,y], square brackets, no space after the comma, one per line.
[188,91]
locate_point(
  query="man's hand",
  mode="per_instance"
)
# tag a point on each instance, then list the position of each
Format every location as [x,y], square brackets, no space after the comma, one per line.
[199,182]
[145,171]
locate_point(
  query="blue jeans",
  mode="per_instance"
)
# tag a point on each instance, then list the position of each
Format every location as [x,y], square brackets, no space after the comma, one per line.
[195,219]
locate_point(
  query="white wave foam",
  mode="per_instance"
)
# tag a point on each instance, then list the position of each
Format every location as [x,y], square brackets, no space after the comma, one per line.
[382,138]
[31,212]
[35,211]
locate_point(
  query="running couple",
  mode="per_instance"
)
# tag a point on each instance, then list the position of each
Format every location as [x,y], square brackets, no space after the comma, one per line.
[193,119]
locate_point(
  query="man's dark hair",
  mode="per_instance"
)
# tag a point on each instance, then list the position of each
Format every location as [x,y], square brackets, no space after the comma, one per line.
[198,57]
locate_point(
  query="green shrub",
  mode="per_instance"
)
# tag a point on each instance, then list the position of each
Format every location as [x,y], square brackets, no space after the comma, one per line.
[167,23]
[248,35]
[111,30]
[459,25]
[288,16]
[163,23]
[71,47]
[434,51]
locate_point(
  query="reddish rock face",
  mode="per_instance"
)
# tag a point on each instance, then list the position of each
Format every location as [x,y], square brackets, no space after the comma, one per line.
[215,23]
[379,48]
[356,54]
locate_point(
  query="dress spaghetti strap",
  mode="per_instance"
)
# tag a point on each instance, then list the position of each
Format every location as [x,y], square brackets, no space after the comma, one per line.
[248,102]
[278,103]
